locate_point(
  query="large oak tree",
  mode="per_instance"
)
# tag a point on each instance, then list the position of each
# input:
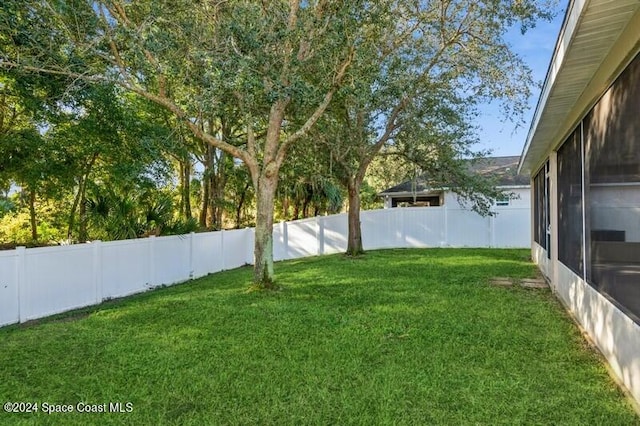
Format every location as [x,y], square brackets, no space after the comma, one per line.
[272,59]
[418,86]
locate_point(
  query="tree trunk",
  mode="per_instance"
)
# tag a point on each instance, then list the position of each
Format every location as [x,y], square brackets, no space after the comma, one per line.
[79,203]
[205,199]
[181,185]
[187,191]
[32,214]
[285,207]
[243,197]
[265,180]
[305,205]
[218,184]
[79,200]
[216,202]
[354,240]
[72,214]
[185,181]
[263,251]
[212,180]
[214,183]
[82,214]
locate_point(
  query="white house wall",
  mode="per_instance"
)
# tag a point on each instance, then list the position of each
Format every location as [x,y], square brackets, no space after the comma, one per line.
[450,199]
[539,257]
[615,334]
[522,199]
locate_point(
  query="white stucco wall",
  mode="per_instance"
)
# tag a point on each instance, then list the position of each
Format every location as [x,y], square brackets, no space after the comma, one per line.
[539,257]
[614,333]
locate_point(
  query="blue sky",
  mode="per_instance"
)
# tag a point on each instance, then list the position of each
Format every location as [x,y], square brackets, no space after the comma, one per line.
[536,48]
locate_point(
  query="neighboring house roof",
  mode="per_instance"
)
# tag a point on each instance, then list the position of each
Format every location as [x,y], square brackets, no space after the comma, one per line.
[596,37]
[503,169]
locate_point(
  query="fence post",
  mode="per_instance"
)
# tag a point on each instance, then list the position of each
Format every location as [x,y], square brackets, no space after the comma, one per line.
[152,261]
[97,269]
[21,272]
[191,262]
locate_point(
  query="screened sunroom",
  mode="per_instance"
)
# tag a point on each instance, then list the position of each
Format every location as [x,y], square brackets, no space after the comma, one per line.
[583,155]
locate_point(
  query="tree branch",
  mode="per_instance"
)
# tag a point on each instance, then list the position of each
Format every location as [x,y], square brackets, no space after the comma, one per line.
[112,45]
[85,77]
[311,121]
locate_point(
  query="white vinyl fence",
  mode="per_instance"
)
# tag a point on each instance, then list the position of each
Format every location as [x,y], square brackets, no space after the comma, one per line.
[38,282]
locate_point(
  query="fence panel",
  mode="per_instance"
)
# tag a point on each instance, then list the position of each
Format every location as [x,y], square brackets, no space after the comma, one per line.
[466,228]
[381,228]
[279,241]
[336,230]
[250,245]
[9,308]
[172,259]
[235,248]
[512,228]
[125,267]
[57,279]
[302,238]
[207,247]
[423,227]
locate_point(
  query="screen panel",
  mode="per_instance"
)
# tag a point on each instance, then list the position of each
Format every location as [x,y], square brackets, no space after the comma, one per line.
[612,181]
[570,216]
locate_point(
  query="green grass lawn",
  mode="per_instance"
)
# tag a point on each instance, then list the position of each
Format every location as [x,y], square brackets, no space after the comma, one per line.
[395,337]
